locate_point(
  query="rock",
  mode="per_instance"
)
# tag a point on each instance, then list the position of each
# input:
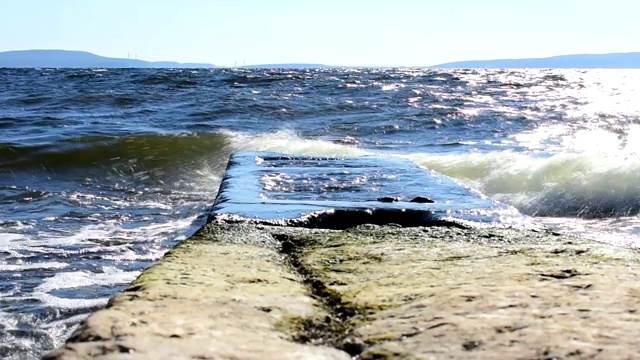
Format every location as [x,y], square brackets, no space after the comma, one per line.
[422,200]
[389,199]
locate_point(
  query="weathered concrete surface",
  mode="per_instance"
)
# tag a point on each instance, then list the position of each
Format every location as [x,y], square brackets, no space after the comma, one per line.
[447,294]
[261,292]
[216,298]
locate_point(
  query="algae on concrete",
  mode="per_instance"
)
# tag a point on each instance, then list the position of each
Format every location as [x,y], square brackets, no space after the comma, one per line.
[448,294]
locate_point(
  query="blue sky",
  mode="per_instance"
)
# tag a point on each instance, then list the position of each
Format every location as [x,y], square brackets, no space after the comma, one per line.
[345,32]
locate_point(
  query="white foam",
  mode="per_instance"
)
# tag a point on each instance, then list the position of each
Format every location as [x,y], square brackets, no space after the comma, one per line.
[554,184]
[589,139]
[82,236]
[6,238]
[623,231]
[24,334]
[288,142]
[151,254]
[107,231]
[66,322]
[66,280]
[61,330]
[69,304]
[21,266]
[9,321]
[10,243]
[91,239]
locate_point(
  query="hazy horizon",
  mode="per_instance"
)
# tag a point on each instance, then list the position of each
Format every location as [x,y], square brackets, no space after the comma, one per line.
[477,62]
[354,33]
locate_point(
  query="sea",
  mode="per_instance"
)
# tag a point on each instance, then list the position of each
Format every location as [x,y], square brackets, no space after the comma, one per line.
[103,170]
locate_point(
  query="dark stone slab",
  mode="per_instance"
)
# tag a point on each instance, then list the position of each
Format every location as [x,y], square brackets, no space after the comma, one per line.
[339,192]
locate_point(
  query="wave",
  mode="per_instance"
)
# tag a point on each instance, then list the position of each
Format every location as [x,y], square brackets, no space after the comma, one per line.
[290,142]
[587,185]
[571,184]
[110,276]
[170,78]
[578,184]
[575,184]
[146,153]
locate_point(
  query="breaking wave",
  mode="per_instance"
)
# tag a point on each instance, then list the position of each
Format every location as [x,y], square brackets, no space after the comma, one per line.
[584,185]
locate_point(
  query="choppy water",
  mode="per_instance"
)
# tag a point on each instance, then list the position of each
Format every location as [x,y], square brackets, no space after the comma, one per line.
[102,171]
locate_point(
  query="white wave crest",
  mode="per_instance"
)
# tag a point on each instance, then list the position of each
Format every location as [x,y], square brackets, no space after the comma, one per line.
[288,142]
[66,280]
[69,304]
[566,184]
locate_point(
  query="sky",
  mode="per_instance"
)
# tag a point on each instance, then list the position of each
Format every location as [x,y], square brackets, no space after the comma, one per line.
[331,32]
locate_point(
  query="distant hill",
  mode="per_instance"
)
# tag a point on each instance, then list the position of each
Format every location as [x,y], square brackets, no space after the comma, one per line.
[80,59]
[83,59]
[603,61]
[287,66]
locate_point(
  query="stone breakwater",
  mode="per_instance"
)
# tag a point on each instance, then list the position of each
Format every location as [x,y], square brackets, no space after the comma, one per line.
[251,291]
[291,267]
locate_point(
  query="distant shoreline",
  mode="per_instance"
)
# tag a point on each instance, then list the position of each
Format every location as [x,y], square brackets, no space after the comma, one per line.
[83,59]
[584,61]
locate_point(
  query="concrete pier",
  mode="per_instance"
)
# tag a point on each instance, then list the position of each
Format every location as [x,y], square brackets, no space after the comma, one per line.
[294,287]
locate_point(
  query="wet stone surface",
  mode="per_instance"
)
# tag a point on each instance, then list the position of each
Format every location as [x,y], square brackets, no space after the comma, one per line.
[282,189]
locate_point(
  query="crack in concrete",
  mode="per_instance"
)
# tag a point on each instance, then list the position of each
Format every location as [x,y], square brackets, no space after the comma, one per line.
[335,330]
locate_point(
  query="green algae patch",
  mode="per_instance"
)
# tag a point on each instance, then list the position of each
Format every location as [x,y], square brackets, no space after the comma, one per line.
[380,354]
[364,274]
[320,329]
[379,339]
